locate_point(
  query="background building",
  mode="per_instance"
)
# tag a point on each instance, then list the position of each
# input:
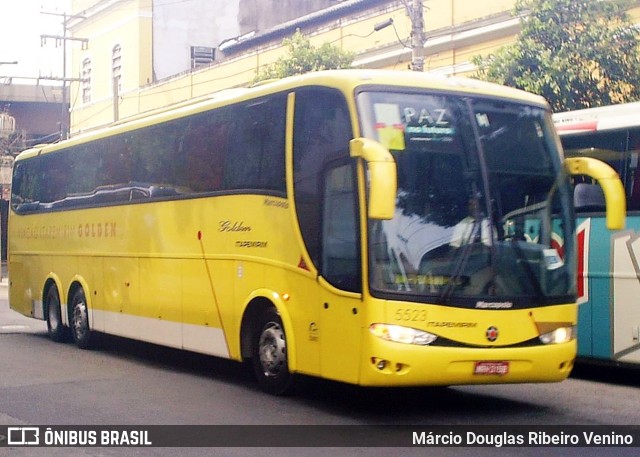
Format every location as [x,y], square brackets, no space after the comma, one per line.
[147,54]
[134,44]
[37,112]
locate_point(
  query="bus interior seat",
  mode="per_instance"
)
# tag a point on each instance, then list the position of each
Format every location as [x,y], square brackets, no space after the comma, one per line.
[588,197]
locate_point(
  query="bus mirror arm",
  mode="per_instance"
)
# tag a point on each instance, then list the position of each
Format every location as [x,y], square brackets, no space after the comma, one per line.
[611,185]
[382,176]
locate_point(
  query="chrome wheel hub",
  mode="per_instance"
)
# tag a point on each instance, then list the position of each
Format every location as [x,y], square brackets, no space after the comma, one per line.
[272,350]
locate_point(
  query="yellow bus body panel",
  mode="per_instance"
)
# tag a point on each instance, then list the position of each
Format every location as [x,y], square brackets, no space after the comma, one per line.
[407,364]
[156,271]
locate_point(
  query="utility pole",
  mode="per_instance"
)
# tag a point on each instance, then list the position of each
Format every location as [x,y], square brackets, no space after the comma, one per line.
[62,41]
[417,35]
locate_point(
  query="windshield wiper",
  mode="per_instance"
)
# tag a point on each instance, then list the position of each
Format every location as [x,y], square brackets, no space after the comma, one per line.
[531,276]
[461,260]
[463,257]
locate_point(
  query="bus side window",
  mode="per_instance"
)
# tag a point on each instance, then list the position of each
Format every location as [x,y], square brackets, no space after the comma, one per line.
[202,148]
[633,184]
[272,164]
[340,253]
[255,156]
[116,162]
[321,135]
[58,170]
[611,147]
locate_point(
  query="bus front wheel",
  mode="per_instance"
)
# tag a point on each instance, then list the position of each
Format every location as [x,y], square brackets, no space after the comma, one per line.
[55,328]
[80,330]
[269,358]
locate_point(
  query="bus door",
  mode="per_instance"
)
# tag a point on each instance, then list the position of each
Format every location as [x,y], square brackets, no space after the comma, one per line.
[340,276]
[326,211]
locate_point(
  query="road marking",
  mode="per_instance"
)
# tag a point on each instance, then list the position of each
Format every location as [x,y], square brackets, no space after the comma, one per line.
[13,328]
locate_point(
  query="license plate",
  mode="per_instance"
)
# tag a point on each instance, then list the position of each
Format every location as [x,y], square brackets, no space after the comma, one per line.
[488,368]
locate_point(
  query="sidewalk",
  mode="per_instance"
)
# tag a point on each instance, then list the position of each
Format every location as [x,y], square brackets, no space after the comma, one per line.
[4,281]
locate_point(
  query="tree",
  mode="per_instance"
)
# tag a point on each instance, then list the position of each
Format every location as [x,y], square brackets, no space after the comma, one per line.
[575,53]
[303,58]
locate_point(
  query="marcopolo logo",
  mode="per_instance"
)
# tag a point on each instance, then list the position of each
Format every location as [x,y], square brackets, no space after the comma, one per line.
[492,334]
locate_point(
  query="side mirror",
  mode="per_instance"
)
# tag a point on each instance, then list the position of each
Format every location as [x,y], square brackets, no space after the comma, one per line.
[382,176]
[611,185]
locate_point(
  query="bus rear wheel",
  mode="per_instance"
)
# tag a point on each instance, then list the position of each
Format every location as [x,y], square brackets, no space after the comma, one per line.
[80,329]
[55,328]
[269,357]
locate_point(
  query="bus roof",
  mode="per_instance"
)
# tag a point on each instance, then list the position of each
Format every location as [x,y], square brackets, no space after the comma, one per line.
[595,119]
[346,80]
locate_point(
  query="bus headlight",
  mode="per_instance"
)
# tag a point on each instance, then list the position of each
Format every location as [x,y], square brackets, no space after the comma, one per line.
[399,334]
[559,335]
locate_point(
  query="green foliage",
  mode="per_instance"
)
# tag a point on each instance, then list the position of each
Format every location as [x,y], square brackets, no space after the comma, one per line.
[575,53]
[304,58]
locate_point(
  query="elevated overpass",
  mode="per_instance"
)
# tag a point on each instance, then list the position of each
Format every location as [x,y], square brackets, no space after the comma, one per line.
[38,111]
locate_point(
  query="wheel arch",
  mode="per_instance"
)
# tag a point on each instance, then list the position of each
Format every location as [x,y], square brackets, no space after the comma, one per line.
[256,304]
[54,280]
[78,282]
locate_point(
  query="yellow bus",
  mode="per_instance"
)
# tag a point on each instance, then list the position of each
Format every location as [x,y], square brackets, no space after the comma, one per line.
[370,227]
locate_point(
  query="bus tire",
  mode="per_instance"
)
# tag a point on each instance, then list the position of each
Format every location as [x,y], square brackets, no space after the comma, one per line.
[79,318]
[269,357]
[55,328]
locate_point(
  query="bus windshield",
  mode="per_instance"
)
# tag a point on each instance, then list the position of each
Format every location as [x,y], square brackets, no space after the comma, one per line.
[483,216]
